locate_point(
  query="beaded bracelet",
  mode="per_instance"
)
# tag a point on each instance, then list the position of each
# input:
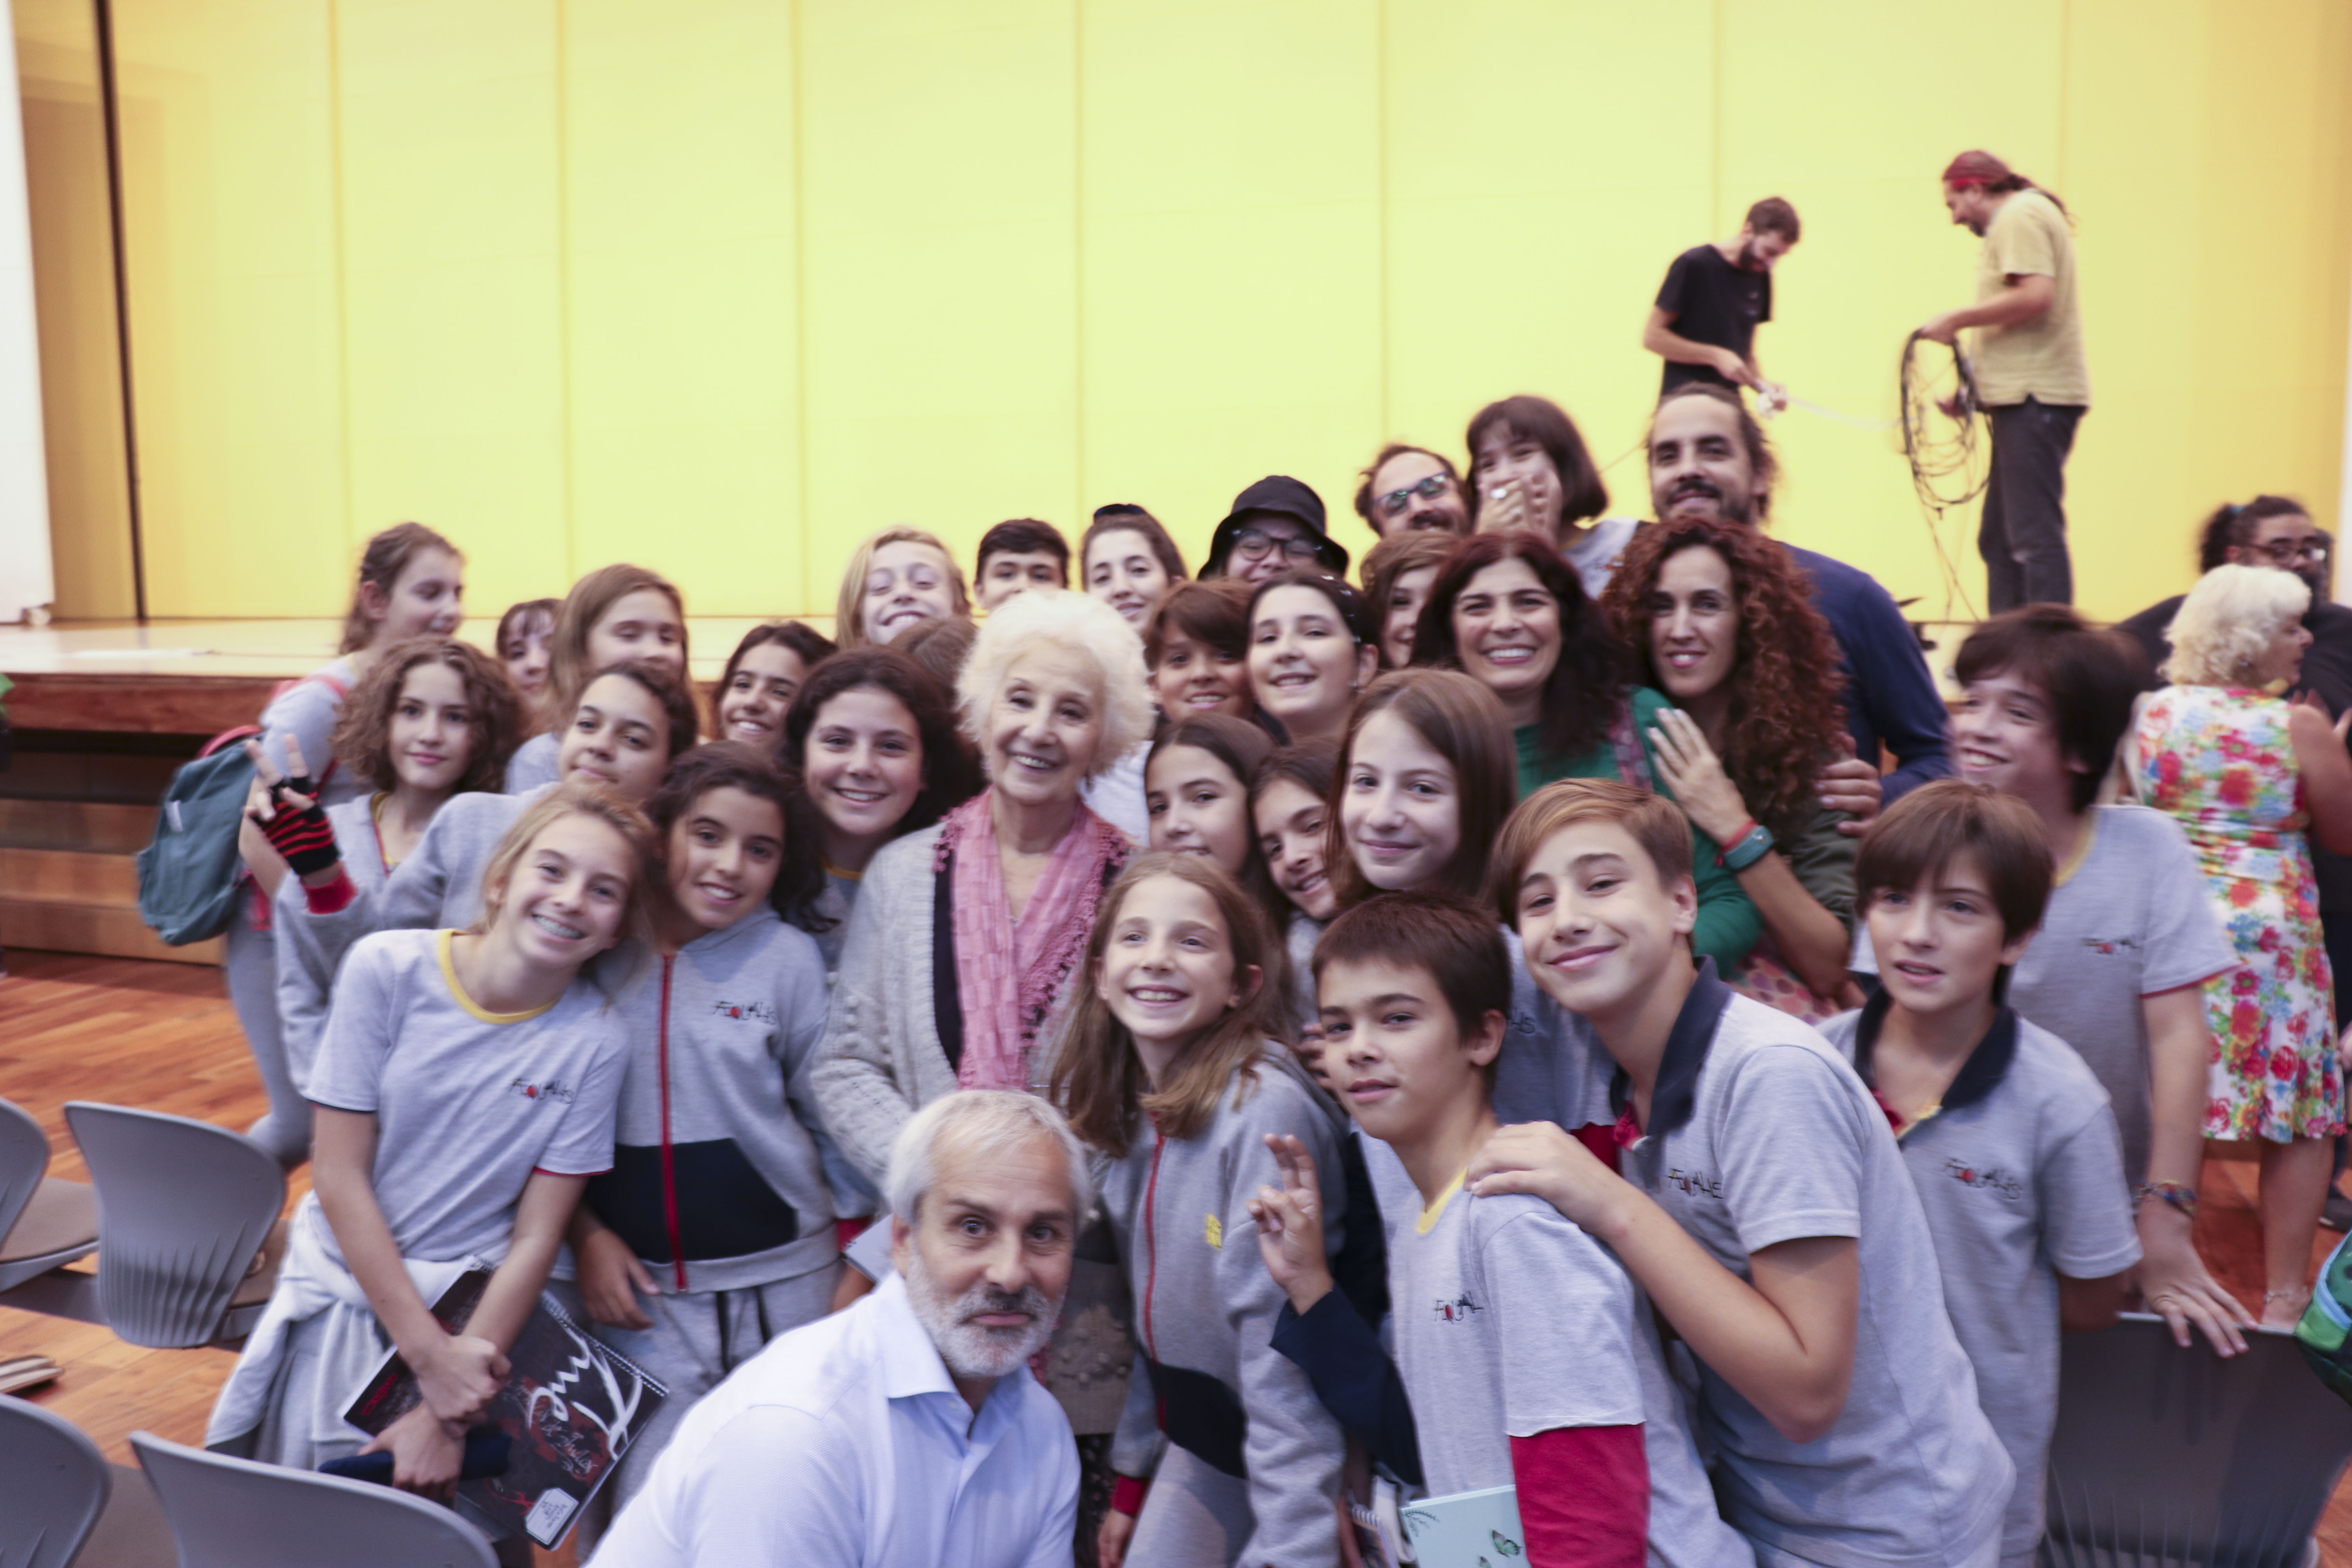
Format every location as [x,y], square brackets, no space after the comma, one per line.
[2177,1195]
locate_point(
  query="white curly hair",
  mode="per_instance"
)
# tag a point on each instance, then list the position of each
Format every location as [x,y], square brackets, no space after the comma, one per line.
[1074,624]
[2219,632]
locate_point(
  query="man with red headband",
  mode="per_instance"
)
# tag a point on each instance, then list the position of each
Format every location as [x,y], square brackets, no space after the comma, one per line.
[2030,377]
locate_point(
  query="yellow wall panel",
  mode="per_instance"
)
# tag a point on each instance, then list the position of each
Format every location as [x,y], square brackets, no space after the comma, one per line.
[228,179]
[682,292]
[73,268]
[1232,273]
[937,197]
[724,285]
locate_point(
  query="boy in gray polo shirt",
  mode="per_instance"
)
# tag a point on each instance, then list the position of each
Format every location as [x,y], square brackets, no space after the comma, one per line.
[2006,1134]
[1529,1358]
[1762,1207]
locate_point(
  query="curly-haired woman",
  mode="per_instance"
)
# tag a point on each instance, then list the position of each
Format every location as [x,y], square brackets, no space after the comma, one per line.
[1507,610]
[2249,775]
[1720,620]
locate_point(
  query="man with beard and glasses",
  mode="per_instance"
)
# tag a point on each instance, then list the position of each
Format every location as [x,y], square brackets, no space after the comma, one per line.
[2030,377]
[1410,490]
[1715,297]
[906,1429]
[1708,459]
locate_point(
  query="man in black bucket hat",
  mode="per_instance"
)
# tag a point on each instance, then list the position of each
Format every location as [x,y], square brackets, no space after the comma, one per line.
[1275,524]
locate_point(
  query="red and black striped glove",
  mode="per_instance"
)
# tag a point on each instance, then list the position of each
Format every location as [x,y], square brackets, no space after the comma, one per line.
[304,838]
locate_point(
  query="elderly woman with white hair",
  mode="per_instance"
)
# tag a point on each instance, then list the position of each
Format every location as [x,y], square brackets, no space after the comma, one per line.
[966,935]
[2247,775]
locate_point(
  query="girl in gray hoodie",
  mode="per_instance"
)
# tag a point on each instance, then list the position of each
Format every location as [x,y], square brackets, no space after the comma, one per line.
[714,1231]
[1171,1067]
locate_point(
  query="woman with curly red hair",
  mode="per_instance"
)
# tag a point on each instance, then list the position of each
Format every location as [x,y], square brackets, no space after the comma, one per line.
[1718,619]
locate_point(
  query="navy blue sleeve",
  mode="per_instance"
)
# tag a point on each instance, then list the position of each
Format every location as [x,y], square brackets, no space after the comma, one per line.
[1354,1378]
[1890,697]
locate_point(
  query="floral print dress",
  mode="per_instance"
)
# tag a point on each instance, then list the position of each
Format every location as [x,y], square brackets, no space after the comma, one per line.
[2219,762]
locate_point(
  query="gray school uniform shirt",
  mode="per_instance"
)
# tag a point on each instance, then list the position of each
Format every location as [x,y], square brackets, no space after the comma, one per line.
[438,887]
[308,951]
[468,1103]
[307,712]
[1206,1308]
[2130,920]
[1511,1322]
[532,766]
[1759,1134]
[2022,1175]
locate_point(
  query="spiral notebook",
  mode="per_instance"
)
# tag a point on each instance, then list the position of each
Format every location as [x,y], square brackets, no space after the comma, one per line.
[1466,1529]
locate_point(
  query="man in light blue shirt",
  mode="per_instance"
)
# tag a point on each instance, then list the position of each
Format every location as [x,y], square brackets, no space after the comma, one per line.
[906,1429]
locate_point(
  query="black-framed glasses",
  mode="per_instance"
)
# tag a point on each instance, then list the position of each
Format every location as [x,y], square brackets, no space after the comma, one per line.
[1250,544]
[2286,551]
[1393,503]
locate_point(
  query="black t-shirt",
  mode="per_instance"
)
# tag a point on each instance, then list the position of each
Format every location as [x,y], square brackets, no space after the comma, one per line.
[1712,302]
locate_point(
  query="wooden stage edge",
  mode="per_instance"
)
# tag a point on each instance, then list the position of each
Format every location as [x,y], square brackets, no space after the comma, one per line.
[200,677]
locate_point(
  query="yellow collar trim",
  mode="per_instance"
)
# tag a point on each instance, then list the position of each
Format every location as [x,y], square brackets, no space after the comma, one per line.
[457,987]
[832,871]
[2082,849]
[1429,1216]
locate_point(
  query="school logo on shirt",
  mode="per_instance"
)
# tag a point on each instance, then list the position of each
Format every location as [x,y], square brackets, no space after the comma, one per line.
[1990,1178]
[758,1012]
[1212,1231]
[2109,947]
[554,1089]
[1460,1309]
[1695,1182]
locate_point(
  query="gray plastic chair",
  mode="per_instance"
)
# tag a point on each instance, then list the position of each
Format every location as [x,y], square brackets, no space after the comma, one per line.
[236,1513]
[2172,1458]
[44,1221]
[53,1486]
[184,1209]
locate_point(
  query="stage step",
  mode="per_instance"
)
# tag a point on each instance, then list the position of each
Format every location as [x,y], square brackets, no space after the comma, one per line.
[69,881]
[86,826]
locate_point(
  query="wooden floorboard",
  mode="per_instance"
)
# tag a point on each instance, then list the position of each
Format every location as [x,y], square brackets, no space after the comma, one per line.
[162,1036]
[158,1036]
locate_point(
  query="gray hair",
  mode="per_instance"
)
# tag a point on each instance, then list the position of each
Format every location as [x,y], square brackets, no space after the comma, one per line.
[1075,623]
[2227,620]
[989,1123]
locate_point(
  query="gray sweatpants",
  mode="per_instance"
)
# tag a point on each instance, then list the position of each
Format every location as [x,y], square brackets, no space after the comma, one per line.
[1195,1516]
[697,1339]
[250,966]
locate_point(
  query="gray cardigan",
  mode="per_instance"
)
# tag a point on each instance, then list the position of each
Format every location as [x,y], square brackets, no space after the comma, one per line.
[882,1060]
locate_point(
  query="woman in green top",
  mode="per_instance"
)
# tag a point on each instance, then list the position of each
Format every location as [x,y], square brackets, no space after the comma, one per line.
[1719,617]
[1510,613]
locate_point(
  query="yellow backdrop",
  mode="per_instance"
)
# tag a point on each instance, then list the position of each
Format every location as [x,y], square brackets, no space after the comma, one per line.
[721,286]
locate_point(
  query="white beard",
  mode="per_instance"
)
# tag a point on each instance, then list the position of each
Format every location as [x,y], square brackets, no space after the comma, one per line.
[968,1349]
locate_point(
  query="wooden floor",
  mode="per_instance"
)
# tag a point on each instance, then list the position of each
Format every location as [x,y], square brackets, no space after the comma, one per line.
[162,1036]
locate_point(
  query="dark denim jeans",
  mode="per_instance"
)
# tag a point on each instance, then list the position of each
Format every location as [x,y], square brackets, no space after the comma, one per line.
[2023,535]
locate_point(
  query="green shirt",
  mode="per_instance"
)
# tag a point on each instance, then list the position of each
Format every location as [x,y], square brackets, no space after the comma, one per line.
[1729,924]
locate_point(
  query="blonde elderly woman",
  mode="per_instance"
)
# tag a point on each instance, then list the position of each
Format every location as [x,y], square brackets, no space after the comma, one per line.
[965,935]
[2247,774]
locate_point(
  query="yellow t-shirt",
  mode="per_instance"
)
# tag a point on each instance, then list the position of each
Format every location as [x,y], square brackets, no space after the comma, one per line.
[2041,358]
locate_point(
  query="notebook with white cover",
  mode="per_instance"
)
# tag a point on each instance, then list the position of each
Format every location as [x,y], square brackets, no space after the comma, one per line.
[1467,1529]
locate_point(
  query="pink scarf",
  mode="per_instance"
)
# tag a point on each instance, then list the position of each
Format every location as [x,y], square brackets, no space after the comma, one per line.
[1010,977]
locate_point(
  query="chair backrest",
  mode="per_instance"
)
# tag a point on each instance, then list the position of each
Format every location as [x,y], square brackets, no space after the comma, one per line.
[2164,1456]
[23,1161]
[236,1513]
[53,1486]
[183,1206]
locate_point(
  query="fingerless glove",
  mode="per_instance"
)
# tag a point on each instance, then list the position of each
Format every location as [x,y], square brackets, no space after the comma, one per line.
[305,839]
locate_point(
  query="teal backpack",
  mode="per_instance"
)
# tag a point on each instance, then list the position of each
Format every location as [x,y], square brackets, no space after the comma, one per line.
[2321,1332]
[189,874]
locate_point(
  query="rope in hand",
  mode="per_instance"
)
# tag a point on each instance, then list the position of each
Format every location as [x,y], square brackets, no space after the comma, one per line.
[1941,445]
